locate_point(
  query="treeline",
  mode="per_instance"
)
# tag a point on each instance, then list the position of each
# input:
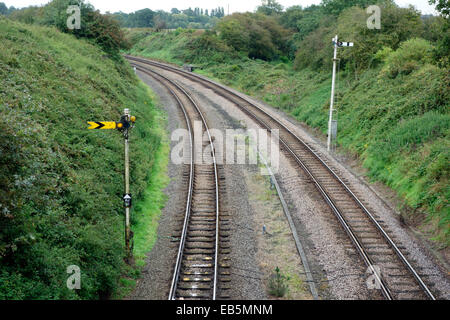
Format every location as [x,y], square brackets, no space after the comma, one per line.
[101,29]
[196,18]
[303,35]
[4,10]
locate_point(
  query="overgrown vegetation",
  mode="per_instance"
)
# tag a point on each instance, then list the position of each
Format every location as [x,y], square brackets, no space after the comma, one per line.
[60,184]
[393,85]
[98,28]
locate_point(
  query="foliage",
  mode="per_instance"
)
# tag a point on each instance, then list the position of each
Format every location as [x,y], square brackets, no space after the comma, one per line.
[28,15]
[4,10]
[101,29]
[409,57]
[60,184]
[269,7]
[399,24]
[139,19]
[440,31]
[443,6]
[146,18]
[258,35]
[335,7]
[278,286]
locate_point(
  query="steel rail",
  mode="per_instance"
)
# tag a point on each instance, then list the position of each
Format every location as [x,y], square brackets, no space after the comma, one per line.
[321,189]
[172,294]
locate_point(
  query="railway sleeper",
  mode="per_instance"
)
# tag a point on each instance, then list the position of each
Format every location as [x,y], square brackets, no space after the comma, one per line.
[195,279]
[188,251]
[199,245]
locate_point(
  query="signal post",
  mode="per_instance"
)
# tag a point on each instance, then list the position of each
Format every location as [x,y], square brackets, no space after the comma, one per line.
[125,124]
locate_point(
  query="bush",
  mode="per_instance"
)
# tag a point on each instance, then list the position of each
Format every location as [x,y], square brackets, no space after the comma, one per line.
[260,36]
[278,286]
[411,54]
[208,48]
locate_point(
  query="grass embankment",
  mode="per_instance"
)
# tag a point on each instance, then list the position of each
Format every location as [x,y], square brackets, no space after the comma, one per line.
[60,184]
[394,116]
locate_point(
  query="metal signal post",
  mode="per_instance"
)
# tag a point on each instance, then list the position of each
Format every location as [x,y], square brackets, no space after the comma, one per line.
[337,44]
[124,125]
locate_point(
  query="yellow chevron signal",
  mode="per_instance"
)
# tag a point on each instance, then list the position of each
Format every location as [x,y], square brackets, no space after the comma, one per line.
[103,125]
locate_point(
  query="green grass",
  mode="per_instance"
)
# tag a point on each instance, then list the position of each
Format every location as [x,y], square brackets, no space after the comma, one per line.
[147,211]
[60,184]
[396,122]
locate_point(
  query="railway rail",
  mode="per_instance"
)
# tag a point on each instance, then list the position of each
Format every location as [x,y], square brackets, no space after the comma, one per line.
[394,275]
[196,270]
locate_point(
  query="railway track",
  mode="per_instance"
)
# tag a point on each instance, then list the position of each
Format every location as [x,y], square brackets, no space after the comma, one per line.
[197,266]
[391,271]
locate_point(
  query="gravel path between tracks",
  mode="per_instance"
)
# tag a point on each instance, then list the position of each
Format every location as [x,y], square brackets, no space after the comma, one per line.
[332,256]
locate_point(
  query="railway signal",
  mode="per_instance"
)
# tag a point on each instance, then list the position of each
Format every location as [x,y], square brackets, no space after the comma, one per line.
[344,44]
[332,124]
[124,125]
[103,125]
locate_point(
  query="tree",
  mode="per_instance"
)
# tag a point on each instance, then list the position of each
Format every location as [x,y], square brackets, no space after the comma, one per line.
[175,11]
[28,15]
[3,9]
[335,7]
[443,6]
[442,53]
[159,23]
[292,15]
[304,21]
[258,35]
[269,7]
[11,10]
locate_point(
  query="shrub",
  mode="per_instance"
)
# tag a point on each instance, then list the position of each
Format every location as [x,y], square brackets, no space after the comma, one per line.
[277,284]
[408,57]
[260,36]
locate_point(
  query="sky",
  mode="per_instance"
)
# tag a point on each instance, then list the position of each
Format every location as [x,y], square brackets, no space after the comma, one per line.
[235,5]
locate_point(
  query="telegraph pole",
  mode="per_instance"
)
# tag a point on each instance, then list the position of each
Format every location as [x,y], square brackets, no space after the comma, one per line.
[337,45]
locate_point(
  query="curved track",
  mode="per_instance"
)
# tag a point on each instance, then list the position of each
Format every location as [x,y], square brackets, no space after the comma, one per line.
[392,273]
[196,269]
